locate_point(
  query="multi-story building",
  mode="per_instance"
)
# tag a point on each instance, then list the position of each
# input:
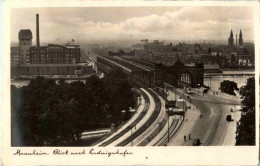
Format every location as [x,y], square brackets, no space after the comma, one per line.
[15,55]
[245,61]
[54,54]
[34,70]
[25,43]
[48,60]
[72,44]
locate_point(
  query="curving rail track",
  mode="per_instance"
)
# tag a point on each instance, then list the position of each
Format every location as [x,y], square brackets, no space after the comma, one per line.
[151,119]
[140,117]
[164,139]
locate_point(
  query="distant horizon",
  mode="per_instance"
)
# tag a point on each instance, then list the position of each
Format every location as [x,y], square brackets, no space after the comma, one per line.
[136,41]
[134,23]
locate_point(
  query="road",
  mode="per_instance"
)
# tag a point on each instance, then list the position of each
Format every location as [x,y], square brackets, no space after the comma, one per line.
[212,128]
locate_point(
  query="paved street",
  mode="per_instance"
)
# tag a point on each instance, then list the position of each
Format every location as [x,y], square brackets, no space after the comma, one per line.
[212,128]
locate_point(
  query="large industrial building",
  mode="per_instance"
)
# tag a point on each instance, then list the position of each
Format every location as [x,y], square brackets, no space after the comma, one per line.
[54,54]
[150,74]
[28,60]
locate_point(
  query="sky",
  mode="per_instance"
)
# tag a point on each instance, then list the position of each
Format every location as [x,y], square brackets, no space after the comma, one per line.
[126,23]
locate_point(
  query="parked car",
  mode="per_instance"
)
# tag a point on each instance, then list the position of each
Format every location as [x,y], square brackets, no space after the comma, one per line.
[229,118]
[196,142]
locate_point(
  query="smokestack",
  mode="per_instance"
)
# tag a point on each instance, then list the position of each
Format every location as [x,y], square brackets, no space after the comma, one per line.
[37,31]
[236,39]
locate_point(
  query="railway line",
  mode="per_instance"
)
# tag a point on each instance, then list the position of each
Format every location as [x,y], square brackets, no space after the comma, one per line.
[151,119]
[164,138]
[127,129]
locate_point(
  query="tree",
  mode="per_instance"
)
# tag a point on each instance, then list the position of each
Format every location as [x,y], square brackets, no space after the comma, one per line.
[45,113]
[228,87]
[246,127]
[247,93]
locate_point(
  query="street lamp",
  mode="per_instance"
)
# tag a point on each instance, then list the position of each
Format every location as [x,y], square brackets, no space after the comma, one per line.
[170,113]
[183,99]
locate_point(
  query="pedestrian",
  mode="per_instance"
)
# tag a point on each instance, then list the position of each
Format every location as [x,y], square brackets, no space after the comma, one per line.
[184,137]
[189,136]
[186,119]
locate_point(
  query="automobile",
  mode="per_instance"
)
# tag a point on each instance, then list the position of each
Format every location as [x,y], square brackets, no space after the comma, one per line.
[196,142]
[229,118]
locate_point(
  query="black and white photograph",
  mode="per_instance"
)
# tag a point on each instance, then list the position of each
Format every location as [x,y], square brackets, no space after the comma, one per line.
[100,77]
[132,76]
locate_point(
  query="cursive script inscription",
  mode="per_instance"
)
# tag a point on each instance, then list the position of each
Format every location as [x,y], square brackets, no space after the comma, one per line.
[109,153]
[60,152]
[34,152]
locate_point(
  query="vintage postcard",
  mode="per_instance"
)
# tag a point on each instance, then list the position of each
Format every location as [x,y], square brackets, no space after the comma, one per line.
[126,83]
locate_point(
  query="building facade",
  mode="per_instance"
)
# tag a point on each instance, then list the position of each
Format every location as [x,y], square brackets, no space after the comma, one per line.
[14,55]
[50,69]
[54,54]
[121,53]
[25,43]
[152,74]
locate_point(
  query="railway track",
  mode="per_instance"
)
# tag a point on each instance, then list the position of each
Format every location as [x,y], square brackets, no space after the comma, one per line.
[164,138]
[140,117]
[151,119]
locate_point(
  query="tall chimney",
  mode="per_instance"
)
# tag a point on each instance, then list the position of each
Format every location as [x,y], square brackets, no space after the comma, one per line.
[37,31]
[236,39]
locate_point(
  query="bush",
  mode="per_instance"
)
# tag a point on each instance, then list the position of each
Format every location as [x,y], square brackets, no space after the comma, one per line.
[246,129]
[228,87]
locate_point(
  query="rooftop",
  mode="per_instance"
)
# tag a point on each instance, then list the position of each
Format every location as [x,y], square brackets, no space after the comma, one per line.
[25,34]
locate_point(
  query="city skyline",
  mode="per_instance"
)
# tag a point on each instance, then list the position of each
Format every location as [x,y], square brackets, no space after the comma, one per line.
[134,23]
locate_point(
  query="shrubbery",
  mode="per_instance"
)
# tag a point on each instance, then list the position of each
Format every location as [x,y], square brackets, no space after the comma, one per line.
[246,129]
[228,87]
[45,113]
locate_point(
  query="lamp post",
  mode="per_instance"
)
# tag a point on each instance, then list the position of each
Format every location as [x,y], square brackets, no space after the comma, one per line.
[183,99]
[170,113]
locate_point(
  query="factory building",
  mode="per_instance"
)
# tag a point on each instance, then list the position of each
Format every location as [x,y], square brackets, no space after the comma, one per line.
[54,54]
[45,60]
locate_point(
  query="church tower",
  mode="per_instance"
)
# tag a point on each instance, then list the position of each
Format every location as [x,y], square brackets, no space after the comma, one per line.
[231,39]
[240,40]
